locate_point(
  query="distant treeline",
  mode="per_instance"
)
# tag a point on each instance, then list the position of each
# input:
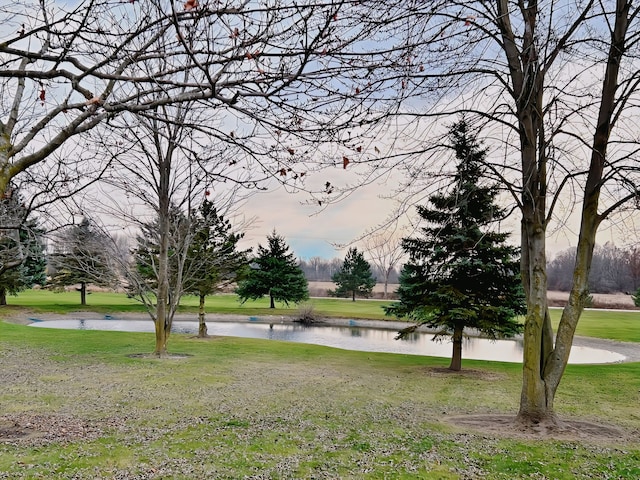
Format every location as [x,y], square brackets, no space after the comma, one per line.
[318,269]
[613,270]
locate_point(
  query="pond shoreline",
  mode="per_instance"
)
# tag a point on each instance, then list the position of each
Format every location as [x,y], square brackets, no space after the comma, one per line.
[630,350]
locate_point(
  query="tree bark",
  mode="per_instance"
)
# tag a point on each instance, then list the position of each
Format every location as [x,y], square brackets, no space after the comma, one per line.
[527,77]
[456,356]
[202,325]
[272,303]
[3,296]
[544,363]
[162,320]
[83,293]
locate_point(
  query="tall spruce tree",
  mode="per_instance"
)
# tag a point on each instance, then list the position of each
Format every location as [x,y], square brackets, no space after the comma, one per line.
[213,259]
[460,273]
[274,272]
[354,278]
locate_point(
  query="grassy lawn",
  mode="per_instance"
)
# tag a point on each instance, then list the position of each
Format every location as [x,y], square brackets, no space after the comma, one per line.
[65,302]
[244,408]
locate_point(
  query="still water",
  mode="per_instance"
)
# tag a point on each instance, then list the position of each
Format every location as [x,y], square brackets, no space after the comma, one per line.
[345,337]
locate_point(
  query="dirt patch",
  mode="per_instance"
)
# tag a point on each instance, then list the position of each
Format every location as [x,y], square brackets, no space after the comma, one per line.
[464,373]
[32,429]
[566,429]
[167,356]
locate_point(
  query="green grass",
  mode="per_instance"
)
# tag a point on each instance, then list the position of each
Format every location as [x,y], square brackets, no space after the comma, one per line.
[250,408]
[104,302]
[623,325]
[246,408]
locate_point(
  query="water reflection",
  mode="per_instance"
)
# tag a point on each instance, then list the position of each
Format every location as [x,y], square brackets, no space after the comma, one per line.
[347,337]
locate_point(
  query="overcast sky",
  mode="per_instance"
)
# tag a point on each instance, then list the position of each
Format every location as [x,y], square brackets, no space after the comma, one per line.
[309,232]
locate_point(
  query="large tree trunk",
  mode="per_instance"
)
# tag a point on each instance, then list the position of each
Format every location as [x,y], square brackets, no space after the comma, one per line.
[162,327]
[3,296]
[202,325]
[272,303]
[544,363]
[456,355]
[536,403]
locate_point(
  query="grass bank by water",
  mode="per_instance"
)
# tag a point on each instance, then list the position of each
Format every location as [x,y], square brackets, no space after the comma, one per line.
[623,325]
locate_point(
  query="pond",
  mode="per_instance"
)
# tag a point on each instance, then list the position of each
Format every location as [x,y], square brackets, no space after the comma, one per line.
[346,337]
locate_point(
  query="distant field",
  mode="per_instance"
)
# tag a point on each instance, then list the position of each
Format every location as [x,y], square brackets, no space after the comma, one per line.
[600,300]
[319,289]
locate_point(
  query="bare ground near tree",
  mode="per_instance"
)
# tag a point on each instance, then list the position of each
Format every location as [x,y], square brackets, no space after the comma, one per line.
[29,428]
[35,428]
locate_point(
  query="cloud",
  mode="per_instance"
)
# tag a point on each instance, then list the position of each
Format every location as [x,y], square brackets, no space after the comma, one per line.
[310,232]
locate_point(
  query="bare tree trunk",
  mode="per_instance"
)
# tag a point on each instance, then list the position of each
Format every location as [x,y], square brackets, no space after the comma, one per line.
[272,302]
[387,274]
[3,296]
[544,364]
[5,171]
[202,325]
[83,293]
[353,295]
[163,323]
[535,404]
[456,356]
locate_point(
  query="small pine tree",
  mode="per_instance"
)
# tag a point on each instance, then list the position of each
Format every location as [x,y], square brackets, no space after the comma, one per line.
[461,274]
[636,298]
[354,278]
[274,272]
[82,257]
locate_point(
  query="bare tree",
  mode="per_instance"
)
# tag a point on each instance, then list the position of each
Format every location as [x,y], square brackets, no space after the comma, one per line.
[385,251]
[265,71]
[556,85]
[68,68]
[634,267]
[160,173]
[560,270]
[316,266]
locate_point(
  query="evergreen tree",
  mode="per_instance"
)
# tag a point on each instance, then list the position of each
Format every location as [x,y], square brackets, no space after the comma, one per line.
[460,273]
[354,278]
[213,259]
[81,258]
[274,272]
[21,248]
[157,277]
